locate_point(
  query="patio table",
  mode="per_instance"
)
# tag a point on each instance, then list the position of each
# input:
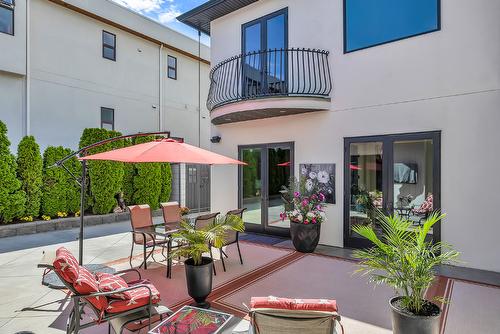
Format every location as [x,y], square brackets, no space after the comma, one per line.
[190,319]
[158,230]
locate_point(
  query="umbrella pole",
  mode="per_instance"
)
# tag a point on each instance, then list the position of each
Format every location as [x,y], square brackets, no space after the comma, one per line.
[82,210]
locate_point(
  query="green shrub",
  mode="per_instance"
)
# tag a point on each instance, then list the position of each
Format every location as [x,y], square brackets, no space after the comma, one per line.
[29,172]
[61,193]
[147,183]
[166,185]
[105,177]
[12,197]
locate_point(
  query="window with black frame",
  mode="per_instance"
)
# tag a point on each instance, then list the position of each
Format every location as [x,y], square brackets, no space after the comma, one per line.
[172,67]
[107,118]
[108,45]
[7,16]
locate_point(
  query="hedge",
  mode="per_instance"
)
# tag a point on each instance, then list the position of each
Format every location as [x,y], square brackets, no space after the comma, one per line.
[61,193]
[105,177]
[29,172]
[12,197]
[147,183]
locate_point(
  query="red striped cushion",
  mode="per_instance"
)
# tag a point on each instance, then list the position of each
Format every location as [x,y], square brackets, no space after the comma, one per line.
[109,282]
[138,297]
[86,283]
[324,305]
[66,265]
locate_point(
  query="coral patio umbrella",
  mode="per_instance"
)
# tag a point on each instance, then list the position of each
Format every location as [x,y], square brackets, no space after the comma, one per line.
[160,150]
[164,150]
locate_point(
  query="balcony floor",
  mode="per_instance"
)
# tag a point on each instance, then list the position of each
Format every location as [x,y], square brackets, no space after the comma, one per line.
[270,267]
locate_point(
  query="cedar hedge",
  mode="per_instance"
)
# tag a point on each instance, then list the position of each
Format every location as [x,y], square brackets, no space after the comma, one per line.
[60,191]
[30,173]
[12,197]
[105,177]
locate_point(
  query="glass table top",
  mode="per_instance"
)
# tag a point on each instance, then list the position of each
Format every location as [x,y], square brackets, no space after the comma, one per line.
[190,319]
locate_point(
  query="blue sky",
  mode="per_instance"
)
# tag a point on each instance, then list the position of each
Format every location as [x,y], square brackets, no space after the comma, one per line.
[165,12]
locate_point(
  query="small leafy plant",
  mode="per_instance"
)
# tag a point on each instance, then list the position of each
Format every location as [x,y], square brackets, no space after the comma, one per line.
[402,259]
[197,241]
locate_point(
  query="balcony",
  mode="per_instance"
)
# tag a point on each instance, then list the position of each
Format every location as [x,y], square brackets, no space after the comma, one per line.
[269,83]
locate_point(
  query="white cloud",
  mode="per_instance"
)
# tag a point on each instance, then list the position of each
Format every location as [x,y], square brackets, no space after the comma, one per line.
[144,6]
[168,14]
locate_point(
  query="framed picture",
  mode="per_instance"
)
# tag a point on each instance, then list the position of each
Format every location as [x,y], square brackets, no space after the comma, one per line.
[321,176]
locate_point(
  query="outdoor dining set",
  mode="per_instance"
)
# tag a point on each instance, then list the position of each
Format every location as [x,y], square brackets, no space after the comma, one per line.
[150,236]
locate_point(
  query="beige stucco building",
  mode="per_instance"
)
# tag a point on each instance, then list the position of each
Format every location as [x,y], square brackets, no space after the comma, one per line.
[408,114]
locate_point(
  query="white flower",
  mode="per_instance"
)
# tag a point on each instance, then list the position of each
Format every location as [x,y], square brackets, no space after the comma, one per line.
[309,185]
[300,217]
[295,212]
[312,175]
[303,171]
[323,176]
[322,215]
[310,214]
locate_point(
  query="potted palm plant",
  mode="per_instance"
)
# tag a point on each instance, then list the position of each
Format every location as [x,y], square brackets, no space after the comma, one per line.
[402,259]
[196,242]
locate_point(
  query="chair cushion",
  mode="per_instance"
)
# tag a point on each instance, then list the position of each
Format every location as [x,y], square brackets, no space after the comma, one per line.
[271,302]
[426,206]
[87,283]
[109,282]
[66,265]
[138,297]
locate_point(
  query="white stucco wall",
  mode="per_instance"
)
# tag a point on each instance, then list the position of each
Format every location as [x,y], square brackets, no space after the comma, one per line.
[447,80]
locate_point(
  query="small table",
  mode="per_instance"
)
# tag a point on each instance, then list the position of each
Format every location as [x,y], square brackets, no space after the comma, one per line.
[194,320]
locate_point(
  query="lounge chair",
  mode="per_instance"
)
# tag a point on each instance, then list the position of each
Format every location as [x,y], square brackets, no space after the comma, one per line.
[202,221]
[143,233]
[293,316]
[232,237]
[123,304]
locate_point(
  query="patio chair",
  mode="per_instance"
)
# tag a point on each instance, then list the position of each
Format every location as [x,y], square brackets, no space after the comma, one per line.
[131,305]
[143,233]
[420,214]
[202,221]
[294,316]
[172,218]
[232,237]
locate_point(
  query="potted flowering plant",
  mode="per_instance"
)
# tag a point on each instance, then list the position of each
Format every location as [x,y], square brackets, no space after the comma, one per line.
[306,215]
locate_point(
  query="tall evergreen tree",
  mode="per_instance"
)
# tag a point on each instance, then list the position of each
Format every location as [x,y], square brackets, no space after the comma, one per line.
[12,197]
[29,172]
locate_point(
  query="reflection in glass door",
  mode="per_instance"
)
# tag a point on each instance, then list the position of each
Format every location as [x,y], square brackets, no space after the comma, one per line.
[264,41]
[268,169]
[391,174]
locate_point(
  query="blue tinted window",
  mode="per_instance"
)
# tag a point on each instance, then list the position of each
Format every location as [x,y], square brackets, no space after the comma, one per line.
[373,22]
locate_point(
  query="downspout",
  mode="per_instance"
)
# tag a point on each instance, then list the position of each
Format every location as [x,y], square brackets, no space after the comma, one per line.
[199,115]
[160,98]
[28,69]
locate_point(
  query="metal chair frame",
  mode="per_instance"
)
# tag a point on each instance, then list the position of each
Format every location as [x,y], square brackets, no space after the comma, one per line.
[202,218]
[237,212]
[73,324]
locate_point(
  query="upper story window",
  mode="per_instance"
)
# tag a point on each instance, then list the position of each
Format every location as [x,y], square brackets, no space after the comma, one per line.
[108,45]
[107,118]
[172,67]
[7,16]
[369,23]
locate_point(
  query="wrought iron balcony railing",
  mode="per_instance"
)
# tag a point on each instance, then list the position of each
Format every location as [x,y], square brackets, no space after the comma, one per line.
[268,73]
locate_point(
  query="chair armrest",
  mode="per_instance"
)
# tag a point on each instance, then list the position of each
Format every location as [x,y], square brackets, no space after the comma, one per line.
[121,272]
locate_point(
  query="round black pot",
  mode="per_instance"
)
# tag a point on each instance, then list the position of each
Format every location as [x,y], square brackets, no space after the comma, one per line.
[199,280]
[404,323]
[305,238]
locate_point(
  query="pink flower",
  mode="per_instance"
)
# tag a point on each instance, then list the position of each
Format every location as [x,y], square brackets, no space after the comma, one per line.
[318,207]
[313,221]
[305,202]
[282,216]
[296,194]
[306,222]
[321,197]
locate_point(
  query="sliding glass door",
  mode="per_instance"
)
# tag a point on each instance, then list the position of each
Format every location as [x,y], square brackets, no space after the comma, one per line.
[392,174]
[268,169]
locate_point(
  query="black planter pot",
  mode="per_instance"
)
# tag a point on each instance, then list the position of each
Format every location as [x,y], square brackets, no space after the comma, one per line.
[404,323]
[305,238]
[199,280]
